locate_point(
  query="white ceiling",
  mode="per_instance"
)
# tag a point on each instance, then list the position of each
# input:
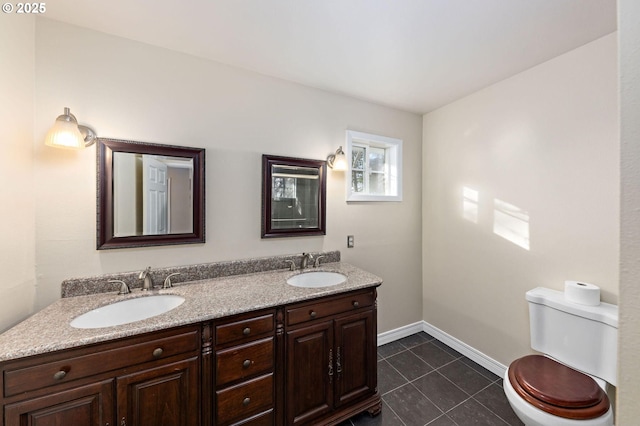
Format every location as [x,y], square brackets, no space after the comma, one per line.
[415,55]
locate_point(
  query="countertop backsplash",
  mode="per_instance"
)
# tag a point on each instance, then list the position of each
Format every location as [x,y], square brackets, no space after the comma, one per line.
[100,284]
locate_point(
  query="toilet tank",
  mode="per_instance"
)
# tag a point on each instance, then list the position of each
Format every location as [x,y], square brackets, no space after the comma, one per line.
[580,336]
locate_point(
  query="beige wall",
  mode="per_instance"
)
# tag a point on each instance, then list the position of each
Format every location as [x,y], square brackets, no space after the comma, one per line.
[17,245]
[129,90]
[546,142]
[628,411]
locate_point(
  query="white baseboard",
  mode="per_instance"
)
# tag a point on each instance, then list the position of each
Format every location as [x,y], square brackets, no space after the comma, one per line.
[473,354]
[399,333]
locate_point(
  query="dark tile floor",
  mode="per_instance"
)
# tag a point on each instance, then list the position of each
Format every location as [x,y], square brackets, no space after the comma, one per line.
[424,382]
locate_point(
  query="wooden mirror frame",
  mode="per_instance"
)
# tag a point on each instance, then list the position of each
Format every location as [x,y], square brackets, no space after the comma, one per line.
[267,195]
[105,220]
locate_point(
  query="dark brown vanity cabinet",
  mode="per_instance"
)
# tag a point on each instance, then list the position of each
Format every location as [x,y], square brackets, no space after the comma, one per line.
[331,359]
[309,363]
[152,379]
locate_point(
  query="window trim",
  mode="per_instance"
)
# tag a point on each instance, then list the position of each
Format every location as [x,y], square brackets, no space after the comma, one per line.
[394,147]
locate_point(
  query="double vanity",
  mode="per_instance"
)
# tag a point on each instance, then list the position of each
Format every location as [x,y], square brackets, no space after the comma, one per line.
[238,347]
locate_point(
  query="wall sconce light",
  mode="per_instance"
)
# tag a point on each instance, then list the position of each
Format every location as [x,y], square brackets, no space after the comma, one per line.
[337,161]
[66,133]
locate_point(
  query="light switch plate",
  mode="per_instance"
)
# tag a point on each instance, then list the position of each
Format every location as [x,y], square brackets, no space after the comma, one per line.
[349,241]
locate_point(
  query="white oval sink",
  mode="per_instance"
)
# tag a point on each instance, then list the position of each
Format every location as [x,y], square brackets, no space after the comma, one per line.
[127,311]
[316,279]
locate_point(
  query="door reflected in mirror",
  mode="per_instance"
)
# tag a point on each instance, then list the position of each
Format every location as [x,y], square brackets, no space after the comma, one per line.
[293,197]
[152,194]
[149,194]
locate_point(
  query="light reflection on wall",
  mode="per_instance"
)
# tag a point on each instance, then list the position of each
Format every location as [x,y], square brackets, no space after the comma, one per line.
[509,222]
[470,204]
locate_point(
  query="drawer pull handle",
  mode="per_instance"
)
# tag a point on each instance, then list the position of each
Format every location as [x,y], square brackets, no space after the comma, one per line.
[157,352]
[246,401]
[246,363]
[312,314]
[355,304]
[59,375]
[246,331]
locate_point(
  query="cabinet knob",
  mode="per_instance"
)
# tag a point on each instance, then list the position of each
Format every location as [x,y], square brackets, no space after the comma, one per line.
[246,401]
[312,314]
[59,375]
[246,363]
[157,352]
[246,331]
[355,304]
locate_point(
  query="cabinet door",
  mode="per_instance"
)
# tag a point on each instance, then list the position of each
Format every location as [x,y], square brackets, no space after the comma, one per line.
[310,371]
[355,357]
[162,396]
[90,405]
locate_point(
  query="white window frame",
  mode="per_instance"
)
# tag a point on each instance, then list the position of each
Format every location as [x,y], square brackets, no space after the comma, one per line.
[393,166]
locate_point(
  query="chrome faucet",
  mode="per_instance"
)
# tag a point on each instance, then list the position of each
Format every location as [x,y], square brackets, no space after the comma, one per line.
[167,281]
[292,264]
[145,275]
[306,257]
[124,288]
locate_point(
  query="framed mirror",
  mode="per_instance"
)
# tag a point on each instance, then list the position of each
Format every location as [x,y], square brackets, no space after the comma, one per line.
[293,197]
[149,194]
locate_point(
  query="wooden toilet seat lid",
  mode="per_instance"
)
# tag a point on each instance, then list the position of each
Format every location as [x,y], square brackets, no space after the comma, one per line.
[557,389]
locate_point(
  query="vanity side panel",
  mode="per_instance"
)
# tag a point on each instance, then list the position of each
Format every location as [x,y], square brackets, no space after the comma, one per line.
[206,389]
[280,369]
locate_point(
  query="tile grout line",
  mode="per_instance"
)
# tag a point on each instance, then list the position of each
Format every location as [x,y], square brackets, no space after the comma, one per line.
[489,409]
[434,370]
[396,414]
[492,378]
[443,415]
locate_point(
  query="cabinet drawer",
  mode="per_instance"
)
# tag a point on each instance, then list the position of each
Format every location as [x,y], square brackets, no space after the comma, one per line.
[244,400]
[239,362]
[244,330]
[300,313]
[262,419]
[81,363]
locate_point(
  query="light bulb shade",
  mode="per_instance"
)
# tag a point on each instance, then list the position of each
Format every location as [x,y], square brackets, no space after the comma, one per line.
[340,161]
[337,161]
[65,134]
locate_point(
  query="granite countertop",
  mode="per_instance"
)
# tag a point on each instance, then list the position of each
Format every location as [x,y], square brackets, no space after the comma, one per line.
[48,330]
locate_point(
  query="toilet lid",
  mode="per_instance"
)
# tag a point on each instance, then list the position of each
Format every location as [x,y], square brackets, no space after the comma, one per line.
[557,389]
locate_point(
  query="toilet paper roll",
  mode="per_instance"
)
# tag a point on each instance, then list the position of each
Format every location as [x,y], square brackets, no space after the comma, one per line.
[582,293]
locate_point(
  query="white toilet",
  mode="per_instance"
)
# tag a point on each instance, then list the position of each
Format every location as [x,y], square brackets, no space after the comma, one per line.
[567,386]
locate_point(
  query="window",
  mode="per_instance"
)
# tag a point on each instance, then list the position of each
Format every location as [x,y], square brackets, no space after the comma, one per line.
[374,167]
[283,187]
